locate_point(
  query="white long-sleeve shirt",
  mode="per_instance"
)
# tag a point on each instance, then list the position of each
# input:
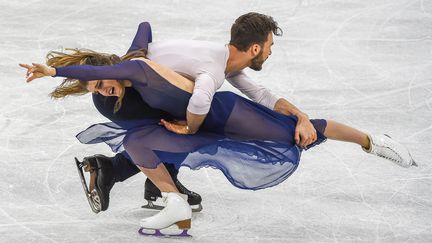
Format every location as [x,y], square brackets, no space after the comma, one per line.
[205,63]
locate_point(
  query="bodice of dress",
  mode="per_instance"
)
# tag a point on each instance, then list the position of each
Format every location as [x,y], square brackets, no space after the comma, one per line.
[154,89]
[161,94]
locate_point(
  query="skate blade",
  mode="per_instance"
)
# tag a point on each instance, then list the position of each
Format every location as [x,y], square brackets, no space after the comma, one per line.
[158,233]
[92,197]
[150,205]
[196,208]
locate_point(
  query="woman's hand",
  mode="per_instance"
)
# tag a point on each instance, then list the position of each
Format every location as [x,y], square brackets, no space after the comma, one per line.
[36,71]
[179,127]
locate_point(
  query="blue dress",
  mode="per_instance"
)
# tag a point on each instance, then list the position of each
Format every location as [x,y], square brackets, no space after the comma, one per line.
[252,145]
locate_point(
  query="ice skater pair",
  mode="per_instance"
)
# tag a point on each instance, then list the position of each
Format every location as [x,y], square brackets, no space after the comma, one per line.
[256,144]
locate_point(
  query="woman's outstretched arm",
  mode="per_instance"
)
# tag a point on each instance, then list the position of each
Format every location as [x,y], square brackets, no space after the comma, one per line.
[128,70]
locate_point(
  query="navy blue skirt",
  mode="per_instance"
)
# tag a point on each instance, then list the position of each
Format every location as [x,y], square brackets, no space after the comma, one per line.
[252,145]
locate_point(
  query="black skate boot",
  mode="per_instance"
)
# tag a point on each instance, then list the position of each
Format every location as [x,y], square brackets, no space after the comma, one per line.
[154,199]
[101,180]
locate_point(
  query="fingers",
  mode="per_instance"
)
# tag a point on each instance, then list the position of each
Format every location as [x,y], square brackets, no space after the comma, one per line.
[30,75]
[305,135]
[307,140]
[31,78]
[168,125]
[28,67]
[164,123]
[25,65]
[33,75]
[303,141]
[173,127]
[297,137]
[300,137]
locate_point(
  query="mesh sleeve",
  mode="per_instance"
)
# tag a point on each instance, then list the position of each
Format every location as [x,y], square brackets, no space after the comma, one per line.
[125,70]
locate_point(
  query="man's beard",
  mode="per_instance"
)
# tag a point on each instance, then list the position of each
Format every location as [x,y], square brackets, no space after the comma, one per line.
[257,62]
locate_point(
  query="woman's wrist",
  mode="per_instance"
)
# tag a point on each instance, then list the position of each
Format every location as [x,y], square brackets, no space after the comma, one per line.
[52,71]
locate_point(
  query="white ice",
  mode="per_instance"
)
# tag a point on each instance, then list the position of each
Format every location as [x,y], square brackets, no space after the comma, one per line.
[364,63]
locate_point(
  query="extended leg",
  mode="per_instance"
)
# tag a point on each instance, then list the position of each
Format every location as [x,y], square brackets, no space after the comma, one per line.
[381,145]
[341,132]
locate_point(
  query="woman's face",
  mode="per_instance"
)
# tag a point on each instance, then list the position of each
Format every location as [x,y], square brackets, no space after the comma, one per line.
[105,87]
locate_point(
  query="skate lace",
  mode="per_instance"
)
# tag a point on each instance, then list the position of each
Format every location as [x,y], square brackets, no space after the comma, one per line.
[390,156]
[184,190]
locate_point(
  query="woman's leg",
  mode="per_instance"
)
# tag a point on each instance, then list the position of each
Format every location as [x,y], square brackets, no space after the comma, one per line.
[145,159]
[341,132]
[160,177]
[177,210]
[380,145]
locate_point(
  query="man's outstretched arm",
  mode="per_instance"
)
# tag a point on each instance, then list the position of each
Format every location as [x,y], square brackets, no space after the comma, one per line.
[305,132]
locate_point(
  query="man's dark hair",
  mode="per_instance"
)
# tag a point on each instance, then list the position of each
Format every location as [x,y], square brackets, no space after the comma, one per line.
[252,28]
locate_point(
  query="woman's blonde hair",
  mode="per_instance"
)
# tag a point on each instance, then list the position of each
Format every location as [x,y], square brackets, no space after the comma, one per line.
[77,56]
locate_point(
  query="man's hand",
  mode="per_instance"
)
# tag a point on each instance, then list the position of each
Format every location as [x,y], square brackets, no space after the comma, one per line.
[305,132]
[179,127]
[36,71]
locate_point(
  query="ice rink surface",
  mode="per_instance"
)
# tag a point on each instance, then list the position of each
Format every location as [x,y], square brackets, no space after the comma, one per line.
[364,63]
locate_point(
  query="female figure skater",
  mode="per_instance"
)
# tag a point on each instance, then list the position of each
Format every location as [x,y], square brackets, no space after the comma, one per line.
[252,145]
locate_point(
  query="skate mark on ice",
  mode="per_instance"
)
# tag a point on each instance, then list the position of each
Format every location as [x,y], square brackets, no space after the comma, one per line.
[21,225]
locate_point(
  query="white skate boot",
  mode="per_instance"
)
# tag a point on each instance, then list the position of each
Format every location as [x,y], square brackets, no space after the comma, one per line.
[384,146]
[177,211]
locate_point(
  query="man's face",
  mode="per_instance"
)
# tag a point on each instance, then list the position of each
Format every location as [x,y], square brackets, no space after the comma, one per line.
[265,52]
